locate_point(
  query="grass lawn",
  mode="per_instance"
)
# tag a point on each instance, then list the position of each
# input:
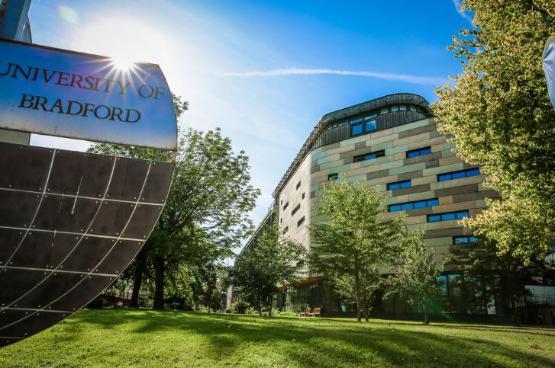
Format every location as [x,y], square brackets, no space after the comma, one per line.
[114,338]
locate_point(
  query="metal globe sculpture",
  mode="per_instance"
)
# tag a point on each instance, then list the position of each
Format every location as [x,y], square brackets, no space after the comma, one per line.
[71,222]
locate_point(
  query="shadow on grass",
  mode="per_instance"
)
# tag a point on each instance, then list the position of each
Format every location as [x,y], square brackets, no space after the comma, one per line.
[322,342]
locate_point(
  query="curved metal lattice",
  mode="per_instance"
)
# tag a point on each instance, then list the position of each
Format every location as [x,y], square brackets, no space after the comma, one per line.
[70,223]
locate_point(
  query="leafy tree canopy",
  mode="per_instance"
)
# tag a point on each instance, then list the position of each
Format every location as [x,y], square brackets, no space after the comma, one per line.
[358,244]
[499,115]
[265,265]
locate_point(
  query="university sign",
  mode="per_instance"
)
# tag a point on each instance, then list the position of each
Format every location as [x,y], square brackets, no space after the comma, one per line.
[76,95]
[71,222]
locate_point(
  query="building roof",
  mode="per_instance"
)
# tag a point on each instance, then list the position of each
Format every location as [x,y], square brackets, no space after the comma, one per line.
[358,109]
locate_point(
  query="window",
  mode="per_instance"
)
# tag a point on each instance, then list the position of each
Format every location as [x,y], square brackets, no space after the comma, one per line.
[442,281]
[300,222]
[419,152]
[413,205]
[369,156]
[399,185]
[285,230]
[465,239]
[395,108]
[403,107]
[295,209]
[285,206]
[370,125]
[363,125]
[298,185]
[333,176]
[448,216]
[303,196]
[356,129]
[459,174]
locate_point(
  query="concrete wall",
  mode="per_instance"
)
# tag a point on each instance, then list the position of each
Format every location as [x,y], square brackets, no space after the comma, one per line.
[296,193]
[461,194]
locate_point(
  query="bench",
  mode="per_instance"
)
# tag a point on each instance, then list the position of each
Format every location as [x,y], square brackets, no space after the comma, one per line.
[314,312]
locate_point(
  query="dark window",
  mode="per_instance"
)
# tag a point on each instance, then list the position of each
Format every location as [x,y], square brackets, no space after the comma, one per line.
[399,185]
[333,176]
[300,222]
[465,239]
[356,129]
[285,229]
[295,209]
[419,152]
[448,216]
[303,196]
[369,156]
[413,205]
[458,174]
[370,125]
[285,206]
[442,281]
[363,125]
[298,185]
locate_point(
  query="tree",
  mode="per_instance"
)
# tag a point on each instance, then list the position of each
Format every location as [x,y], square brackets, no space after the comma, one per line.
[417,280]
[494,278]
[500,117]
[267,264]
[358,245]
[205,213]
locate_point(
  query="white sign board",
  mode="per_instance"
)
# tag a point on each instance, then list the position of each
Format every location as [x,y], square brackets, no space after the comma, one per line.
[549,67]
[75,95]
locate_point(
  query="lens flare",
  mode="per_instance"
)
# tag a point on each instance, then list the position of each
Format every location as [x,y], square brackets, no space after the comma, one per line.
[68,14]
[123,63]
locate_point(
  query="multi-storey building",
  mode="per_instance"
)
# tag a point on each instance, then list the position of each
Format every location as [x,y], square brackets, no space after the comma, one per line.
[393,144]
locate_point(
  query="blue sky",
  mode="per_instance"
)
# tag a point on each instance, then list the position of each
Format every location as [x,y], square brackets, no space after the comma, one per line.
[265,71]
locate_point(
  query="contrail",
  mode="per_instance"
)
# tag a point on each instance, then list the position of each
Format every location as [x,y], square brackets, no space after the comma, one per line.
[325,71]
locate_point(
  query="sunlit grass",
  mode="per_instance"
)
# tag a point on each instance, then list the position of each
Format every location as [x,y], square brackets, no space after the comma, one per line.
[99,338]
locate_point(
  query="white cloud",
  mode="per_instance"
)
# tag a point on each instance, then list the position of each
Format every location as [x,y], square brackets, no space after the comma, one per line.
[459,6]
[408,78]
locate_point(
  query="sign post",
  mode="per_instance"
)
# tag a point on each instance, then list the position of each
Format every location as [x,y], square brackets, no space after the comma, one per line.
[14,25]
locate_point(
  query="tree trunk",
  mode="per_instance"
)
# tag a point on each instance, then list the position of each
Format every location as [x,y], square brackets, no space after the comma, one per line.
[140,266]
[271,300]
[357,294]
[159,269]
[513,310]
[367,314]
[426,318]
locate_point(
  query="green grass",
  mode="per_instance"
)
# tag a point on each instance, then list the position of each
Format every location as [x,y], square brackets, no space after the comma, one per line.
[114,338]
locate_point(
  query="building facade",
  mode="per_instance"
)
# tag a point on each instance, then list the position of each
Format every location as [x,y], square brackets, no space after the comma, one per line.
[393,144]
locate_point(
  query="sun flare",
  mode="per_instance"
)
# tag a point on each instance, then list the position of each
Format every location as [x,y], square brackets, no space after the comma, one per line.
[126,42]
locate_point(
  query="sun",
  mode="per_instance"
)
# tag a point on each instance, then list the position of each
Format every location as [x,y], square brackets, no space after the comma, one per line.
[125,41]
[122,64]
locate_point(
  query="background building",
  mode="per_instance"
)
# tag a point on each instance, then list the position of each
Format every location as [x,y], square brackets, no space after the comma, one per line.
[393,144]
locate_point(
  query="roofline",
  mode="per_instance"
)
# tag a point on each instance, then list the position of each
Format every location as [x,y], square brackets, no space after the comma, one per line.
[258,229]
[340,114]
